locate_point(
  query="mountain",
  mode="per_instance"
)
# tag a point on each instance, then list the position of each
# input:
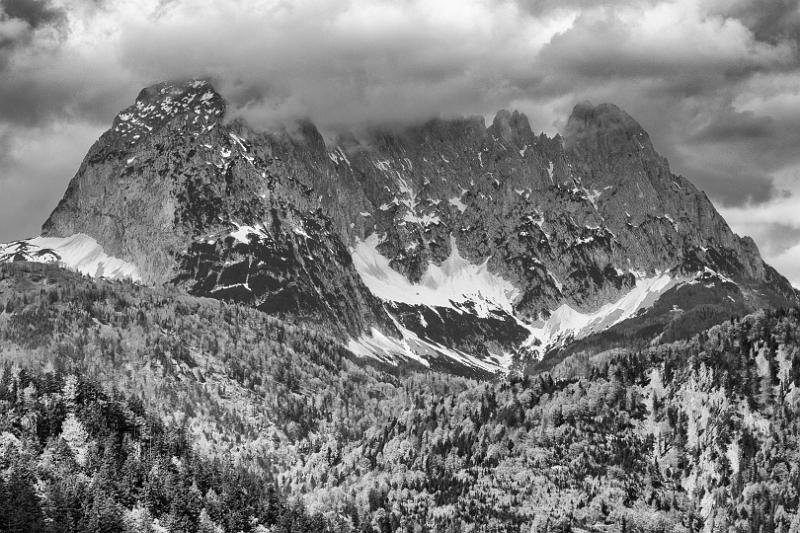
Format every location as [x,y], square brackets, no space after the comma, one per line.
[447,245]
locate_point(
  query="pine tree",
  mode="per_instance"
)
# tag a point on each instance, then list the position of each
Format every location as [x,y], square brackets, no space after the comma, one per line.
[19,506]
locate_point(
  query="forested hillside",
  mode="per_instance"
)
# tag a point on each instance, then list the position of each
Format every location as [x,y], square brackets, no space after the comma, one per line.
[236,378]
[75,458]
[122,406]
[681,437]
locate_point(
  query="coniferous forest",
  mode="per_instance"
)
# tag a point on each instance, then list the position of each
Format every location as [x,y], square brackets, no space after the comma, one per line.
[130,409]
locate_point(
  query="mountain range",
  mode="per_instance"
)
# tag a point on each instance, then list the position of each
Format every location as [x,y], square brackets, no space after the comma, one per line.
[442,327]
[447,245]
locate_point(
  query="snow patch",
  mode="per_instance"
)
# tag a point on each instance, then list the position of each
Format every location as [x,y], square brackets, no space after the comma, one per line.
[239,140]
[410,346]
[593,196]
[377,345]
[455,281]
[457,202]
[242,233]
[338,156]
[426,219]
[566,322]
[301,231]
[77,252]
[706,273]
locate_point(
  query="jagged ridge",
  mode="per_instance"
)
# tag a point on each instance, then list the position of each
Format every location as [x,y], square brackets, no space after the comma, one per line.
[571,224]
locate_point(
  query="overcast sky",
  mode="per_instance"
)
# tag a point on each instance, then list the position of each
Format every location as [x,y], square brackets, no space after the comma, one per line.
[716,83]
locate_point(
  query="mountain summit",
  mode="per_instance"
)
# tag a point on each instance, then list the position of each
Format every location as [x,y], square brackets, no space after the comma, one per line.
[446,244]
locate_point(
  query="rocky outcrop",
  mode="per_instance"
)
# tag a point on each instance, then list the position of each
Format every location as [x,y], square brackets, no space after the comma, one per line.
[170,182]
[126,192]
[574,219]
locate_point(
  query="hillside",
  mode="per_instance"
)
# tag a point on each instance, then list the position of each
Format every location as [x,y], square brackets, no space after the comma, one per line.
[698,434]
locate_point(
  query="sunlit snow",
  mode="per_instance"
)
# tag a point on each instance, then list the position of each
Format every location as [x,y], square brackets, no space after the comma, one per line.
[566,321]
[78,252]
[410,346]
[242,233]
[455,280]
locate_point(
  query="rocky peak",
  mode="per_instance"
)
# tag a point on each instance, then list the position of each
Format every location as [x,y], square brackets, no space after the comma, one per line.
[194,101]
[512,127]
[605,128]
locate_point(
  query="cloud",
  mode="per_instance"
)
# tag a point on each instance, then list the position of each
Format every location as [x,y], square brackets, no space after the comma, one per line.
[769,20]
[34,13]
[22,22]
[29,160]
[678,69]
[735,126]
[788,263]
[668,40]
[357,60]
[713,82]
[775,224]
[348,62]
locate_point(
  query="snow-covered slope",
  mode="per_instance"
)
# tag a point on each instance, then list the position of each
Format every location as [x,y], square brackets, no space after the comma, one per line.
[78,252]
[410,347]
[454,281]
[469,288]
[567,323]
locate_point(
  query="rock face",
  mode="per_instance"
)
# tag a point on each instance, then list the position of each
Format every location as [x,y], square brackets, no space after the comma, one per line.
[471,243]
[169,188]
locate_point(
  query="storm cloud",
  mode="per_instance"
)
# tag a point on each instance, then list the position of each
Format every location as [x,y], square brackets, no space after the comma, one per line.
[715,82]
[35,13]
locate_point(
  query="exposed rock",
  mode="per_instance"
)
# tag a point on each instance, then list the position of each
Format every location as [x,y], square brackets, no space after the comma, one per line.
[576,221]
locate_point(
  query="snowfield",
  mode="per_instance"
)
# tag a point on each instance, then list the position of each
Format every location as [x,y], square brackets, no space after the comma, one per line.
[566,322]
[455,281]
[77,252]
[410,346]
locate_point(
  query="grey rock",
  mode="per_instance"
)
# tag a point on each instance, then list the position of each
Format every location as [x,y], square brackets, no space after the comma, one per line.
[566,220]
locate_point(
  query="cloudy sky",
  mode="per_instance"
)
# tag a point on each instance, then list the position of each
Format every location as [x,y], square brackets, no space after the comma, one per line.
[715,82]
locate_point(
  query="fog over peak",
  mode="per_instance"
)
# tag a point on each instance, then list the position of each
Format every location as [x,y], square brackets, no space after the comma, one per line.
[713,82]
